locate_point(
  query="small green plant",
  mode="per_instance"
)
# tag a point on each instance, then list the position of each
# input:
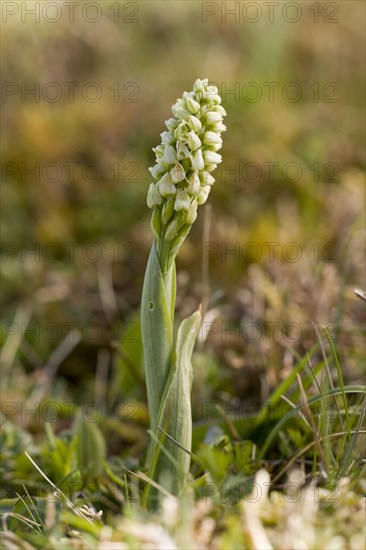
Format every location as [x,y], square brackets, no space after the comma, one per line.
[184,162]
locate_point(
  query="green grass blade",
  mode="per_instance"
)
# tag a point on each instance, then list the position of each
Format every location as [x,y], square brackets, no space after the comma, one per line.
[311,401]
[275,396]
[340,377]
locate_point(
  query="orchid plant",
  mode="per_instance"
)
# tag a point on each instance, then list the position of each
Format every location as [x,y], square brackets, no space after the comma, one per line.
[187,155]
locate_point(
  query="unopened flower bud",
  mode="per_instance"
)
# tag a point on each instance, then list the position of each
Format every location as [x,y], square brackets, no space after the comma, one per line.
[219,109]
[167,138]
[180,112]
[182,200]
[194,123]
[153,196]
[197,160]
[159,152]
[213,99]
[211,117]
[157,171]
[203,194]
[171,124]
[193,141]
[192,105]
[181,131]
[212,90]
[211,138]
[170,155]
[191,214]
[207,179]
[172,229]
[216,147]
[194,184]
[177,173]
[212,96]
[166,186]
[218,127]
[198,86]
[212,157]
[167,211]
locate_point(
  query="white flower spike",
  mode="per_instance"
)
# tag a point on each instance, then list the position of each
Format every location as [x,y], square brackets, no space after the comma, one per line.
[186,156]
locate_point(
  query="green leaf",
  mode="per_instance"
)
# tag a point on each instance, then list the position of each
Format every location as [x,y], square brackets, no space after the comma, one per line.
[177,411]
[157,310]
[174,416]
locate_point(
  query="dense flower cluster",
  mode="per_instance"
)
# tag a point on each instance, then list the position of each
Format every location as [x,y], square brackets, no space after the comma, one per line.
[187,155]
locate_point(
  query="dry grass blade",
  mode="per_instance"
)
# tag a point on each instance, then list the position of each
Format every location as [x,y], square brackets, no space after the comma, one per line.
[59,493]
[233,430]
[308,415]
[306,449]
[360,293]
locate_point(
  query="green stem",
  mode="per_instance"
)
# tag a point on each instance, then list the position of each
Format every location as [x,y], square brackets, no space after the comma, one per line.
[168,375]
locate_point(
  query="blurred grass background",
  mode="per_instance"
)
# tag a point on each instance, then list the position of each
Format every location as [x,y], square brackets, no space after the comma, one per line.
[162,54]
